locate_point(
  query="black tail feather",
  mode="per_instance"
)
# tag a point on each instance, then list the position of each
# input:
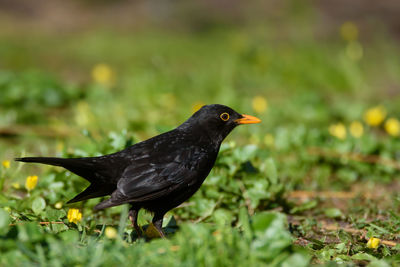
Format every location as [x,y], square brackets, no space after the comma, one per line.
[43,160]
[84,167]
[88,168]
[93,191]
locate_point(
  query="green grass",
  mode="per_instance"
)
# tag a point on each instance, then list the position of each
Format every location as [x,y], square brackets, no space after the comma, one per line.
[252,209]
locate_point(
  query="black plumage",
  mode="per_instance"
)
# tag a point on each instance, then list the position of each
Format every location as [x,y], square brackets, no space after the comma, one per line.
[157,174]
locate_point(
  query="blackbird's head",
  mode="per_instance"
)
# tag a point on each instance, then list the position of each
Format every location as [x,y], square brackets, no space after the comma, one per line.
[217,121]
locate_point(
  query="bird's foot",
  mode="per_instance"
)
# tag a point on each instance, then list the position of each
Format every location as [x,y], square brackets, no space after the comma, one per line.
[152,231]
[138,229]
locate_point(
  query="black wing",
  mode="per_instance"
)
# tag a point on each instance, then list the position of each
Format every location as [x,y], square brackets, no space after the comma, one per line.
[169,167]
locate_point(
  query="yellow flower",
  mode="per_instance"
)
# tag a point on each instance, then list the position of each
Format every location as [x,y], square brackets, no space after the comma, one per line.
[260,104]
[392,127]
[103,74]
[269,140]
[16,185]
[58,205]
[373,242]
[196,106]
[74,215]
[375,116]
[338,130]
[110,232]
[356,129]
[31,182]
[349,31]
[6,164]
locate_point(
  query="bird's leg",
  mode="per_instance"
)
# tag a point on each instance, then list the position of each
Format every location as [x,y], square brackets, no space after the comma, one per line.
[133,214]
[157,222]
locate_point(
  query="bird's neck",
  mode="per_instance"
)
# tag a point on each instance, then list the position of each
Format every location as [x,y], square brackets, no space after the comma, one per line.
[211,138]
[203,135]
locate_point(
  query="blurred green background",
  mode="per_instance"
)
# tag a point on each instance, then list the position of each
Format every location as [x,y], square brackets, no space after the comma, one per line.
[84,78]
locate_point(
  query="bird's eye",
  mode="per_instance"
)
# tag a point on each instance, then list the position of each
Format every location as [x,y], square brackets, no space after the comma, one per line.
[224,116]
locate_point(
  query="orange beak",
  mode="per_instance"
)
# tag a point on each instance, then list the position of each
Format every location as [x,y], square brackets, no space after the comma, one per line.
[247,119]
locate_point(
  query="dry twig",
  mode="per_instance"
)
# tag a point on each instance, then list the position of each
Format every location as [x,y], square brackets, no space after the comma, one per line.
[353,231]
[373,159]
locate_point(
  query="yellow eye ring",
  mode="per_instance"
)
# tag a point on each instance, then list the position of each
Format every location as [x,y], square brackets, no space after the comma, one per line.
[224,116]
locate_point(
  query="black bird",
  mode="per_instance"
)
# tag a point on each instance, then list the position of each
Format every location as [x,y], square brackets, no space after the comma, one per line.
[157,174]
